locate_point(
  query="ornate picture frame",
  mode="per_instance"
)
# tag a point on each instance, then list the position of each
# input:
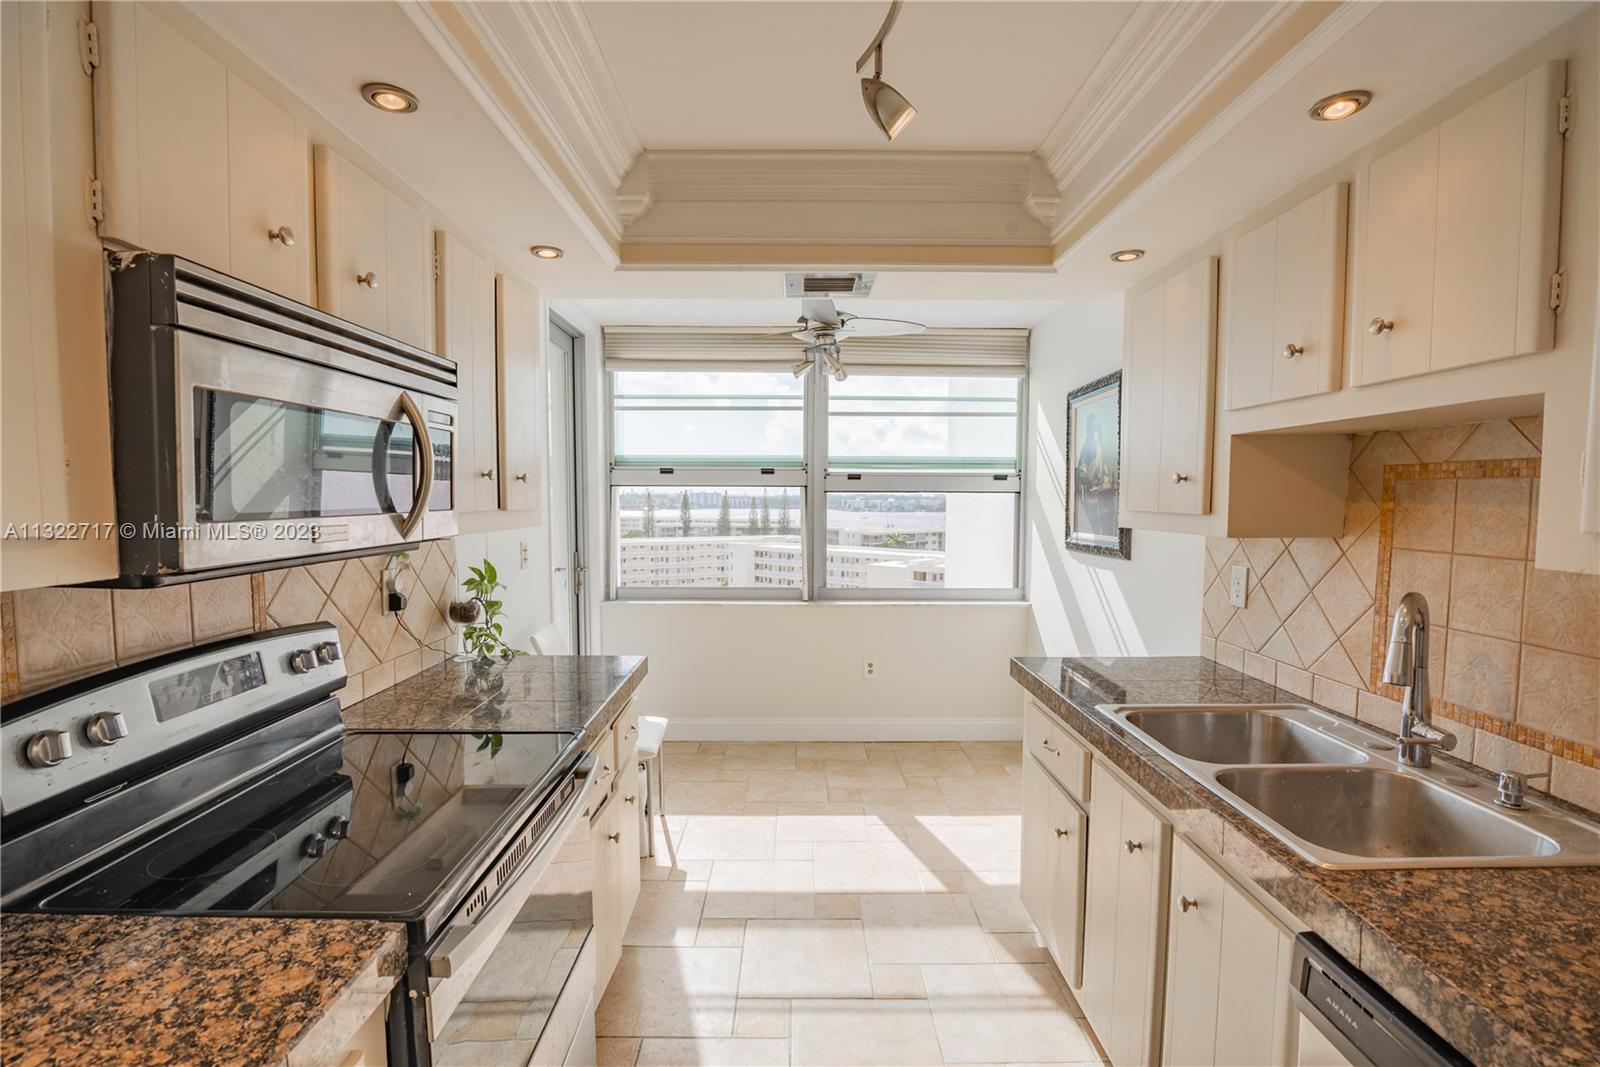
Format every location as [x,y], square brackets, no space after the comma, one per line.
[1094,469]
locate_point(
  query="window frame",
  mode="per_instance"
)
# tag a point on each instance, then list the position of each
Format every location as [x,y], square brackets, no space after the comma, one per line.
[815,481]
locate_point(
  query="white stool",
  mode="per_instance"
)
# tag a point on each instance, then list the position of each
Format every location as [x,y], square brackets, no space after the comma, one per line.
[652,730]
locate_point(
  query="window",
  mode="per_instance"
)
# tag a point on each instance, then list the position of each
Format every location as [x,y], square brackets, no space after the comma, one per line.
[733,478]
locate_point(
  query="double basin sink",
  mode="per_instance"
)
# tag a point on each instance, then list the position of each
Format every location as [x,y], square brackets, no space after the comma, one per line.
[1333,791]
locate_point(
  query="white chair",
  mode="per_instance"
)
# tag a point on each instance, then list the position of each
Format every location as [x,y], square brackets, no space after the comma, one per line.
[550,641]
[652,731]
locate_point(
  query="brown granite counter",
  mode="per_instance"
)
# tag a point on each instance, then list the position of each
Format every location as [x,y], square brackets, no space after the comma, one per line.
[1503,962]
[523,693]
[146,990]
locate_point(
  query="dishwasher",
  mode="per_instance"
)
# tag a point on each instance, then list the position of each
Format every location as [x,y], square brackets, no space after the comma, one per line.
[1347,1018]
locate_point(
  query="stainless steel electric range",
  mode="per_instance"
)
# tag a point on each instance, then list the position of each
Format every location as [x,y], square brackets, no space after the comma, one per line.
[220,781]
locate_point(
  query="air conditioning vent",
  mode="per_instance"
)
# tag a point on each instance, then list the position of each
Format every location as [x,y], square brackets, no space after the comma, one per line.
[855,283]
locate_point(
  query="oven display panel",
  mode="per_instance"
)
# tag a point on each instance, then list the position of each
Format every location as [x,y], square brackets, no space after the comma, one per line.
[179,694]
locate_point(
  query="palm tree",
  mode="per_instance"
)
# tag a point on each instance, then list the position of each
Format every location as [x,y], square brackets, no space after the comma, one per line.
[647,519]
[684,514]
[724,518]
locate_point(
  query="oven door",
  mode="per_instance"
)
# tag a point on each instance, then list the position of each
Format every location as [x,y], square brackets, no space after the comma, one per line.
[280,458]
[518,974]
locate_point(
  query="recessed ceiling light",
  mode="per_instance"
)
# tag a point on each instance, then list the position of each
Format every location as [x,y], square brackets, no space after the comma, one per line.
[1340,105]
[386,97]
[1127,255]
[546,251]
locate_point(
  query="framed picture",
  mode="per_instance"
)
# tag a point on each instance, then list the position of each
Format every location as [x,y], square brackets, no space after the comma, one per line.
[1094,468]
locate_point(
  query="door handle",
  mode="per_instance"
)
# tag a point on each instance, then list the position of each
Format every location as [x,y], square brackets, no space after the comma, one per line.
[419,426]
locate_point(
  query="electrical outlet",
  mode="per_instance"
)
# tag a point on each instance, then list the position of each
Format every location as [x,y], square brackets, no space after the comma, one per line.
[869,668]
[522,551]
[1237,589]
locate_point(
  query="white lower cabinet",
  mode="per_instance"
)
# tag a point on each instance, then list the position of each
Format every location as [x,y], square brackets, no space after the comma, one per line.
[1227,1001]
[1314,1050]
[1124,920]
[614,835]
[1054,840]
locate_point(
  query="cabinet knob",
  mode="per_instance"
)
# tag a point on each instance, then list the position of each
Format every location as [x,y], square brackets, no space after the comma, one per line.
[1184,904]
[1291,350]
[1134,846]
[1179,479]
[613,837]
[1380,326]
[282,235]
[369,279]
[522,477]
[1062,832]
[628,800]
[487,474]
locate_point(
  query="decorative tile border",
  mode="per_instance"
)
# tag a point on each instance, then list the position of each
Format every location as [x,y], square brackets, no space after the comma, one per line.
[1456,470]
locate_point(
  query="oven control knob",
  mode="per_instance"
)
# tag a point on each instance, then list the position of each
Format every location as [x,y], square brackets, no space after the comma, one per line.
[302,661]
[106,728]
[338,828]
[48,748]
[313,846]
[327,652]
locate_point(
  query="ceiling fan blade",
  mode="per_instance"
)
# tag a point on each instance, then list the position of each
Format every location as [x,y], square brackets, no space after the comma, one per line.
[821,310]
[867,326]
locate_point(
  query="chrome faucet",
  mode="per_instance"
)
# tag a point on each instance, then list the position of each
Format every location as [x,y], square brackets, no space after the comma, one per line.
[1407,665]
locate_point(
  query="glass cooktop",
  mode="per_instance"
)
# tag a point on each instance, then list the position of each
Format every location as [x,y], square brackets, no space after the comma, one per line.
[374,824]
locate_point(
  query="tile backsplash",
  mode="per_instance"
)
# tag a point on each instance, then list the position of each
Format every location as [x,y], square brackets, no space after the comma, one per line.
[53,635]
[1450,511]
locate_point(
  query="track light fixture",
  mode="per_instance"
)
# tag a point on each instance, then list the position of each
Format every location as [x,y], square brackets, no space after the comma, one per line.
[891,111]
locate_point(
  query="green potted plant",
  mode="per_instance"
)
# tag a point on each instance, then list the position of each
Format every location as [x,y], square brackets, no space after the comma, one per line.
[484,638]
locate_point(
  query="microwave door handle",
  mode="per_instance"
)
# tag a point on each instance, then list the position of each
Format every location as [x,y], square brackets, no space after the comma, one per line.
[419,428]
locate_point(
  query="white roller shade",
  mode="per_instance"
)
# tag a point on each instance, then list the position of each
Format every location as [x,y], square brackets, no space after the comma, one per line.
[941,349]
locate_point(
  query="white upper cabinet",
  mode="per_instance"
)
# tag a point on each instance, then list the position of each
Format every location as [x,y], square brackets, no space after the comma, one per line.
[466,316]
[1459,233]
[1170,359]
[373,260]
[195,161]
[521,403]
[1286,303]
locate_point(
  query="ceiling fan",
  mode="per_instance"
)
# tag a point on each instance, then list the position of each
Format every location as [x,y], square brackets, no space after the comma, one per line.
[823,327]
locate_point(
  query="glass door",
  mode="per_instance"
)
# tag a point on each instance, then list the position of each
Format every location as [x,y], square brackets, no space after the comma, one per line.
[566,553]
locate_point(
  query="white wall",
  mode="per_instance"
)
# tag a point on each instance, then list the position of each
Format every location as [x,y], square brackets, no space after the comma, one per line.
[527,592]
[1085,604]
[740,671]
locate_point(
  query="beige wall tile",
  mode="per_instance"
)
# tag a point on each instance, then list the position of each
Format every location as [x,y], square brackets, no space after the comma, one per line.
[221,607]
[1435,443]
[1258,666]
[1314,556]
[1424,514]
[1496,753]
[1343,595]
[147,621]
[1486,596]
[1561,610]
[1294,680]
[298,599]
[1335,666]
[1492,517]
[1379,711]
[1285,585]
[1383,450]
[1427,573]
[1560,693]
[62,633]
[1309,630]
[1575,783]
[1480,674]
[1496,439]
[1230,655]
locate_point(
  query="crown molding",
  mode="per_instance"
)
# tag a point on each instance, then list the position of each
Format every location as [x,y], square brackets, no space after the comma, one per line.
[1090,218]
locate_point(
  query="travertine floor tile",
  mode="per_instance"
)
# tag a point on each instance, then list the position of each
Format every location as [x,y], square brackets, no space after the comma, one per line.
[879,1033]
[705,798]
[714,1052]
[822,827]
[667,913]
[1006,1013]
[792,786]
[759,889]
[897,981]
[915,928]
[671,992]
[725,837]
[804,958]
[864,868]
[616,1051]
[761,1018]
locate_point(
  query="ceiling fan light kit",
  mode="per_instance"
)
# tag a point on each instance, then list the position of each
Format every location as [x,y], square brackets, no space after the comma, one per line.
[823,327]
[887,106]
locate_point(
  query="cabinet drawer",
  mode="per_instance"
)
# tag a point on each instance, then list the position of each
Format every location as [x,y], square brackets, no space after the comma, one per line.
[626,729]
[605,770]
[1055,747]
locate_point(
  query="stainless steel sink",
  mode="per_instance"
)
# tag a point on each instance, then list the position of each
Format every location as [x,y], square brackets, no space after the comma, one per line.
[1331,790]
[1375,813]
[1240,735]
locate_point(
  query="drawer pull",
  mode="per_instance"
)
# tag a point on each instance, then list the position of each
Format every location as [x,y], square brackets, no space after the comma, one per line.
[282,235]
[1061,832]
[369,279]
[1048,747]
[1134,846]
[1185,904]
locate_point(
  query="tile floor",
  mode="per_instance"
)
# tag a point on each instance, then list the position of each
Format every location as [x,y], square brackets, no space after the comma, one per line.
[837,903]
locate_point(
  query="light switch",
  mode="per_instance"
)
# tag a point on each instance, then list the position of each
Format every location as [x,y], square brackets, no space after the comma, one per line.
[1237,588]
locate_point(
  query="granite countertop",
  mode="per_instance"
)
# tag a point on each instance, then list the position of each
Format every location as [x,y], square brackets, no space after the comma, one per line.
[530,693]
[151,990]
[1503,962]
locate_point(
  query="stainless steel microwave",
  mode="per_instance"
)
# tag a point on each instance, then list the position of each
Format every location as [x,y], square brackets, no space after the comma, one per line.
[250,431]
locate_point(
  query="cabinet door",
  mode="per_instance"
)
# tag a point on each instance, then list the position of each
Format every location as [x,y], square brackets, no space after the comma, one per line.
[1308,296]
[1066,834]
[352,241]
[629,802]
[1398,241]
[1188,359]
[267,200]
[466,334]
[1254,1008]
[408,261]
[1499,183]
[1251,292]
[607,875]
[519,347]
[1037,850]
[1141,934]
[1141,421]
[1194,954]
[163,108]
